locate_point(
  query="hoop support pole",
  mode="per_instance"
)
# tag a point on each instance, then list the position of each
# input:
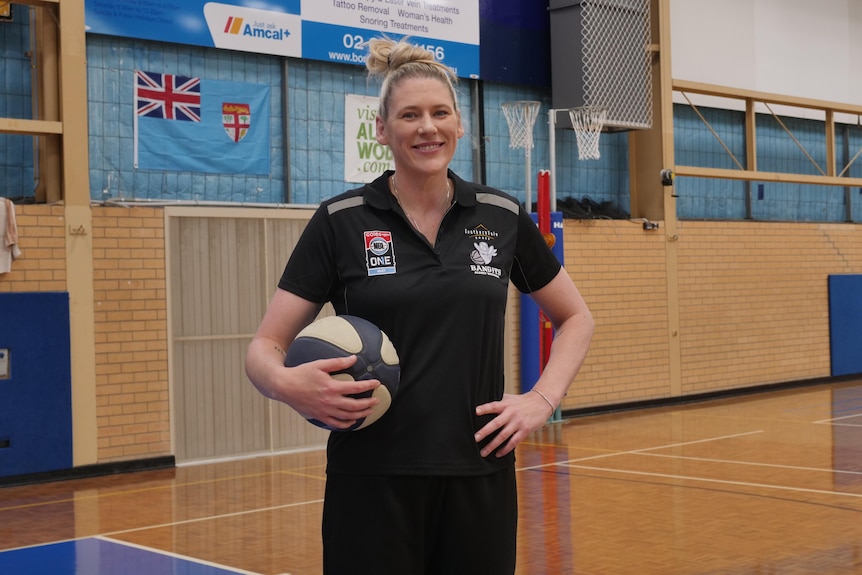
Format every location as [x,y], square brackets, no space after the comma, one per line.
[528,190]
[552,142]
[520,117]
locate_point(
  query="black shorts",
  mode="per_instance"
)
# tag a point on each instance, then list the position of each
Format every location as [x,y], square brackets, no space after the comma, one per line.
[405,525]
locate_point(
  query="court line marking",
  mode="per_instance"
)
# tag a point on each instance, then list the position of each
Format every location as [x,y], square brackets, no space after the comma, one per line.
[719,481]
[831,405]
[257,455]
[634,451]
[168,486]
[214,517]
[174,555]
[305,475]
[171,524]
[45,544]
[753,463]
[832,420]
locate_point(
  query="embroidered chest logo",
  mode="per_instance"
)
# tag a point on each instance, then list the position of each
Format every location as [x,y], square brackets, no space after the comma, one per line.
[483,252]
[379,253]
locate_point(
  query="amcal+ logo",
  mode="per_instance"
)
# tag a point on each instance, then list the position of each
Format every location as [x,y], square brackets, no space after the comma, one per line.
[237,27]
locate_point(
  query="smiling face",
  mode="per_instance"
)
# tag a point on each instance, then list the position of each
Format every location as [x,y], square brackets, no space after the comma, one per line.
[422,128]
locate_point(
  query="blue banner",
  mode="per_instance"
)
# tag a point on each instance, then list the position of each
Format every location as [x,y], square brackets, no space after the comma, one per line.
[515,34]
[333,43]
[200,125]
[333,31]
[179,21]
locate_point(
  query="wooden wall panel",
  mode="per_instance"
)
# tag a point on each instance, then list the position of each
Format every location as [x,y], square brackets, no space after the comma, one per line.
[225,266]
[217,413]
[289,429]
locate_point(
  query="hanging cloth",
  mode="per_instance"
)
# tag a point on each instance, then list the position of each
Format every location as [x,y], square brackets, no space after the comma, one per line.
[9,249]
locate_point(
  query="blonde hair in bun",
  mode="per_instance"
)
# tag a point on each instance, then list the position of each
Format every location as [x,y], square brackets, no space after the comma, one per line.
[394,61]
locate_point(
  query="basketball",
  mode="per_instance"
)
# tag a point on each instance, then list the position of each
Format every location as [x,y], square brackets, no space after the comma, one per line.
[342,336]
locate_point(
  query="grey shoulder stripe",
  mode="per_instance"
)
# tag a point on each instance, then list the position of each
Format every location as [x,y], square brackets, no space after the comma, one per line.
[345,204]
[498,201]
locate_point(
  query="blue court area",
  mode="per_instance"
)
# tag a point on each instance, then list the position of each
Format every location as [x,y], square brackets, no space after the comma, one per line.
[94,556]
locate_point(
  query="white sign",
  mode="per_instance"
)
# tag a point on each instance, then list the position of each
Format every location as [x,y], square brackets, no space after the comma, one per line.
[454,20]
[364,157]
[338,30]
[251,30]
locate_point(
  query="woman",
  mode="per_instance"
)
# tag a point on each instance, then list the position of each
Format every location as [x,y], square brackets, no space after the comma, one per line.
[430,487]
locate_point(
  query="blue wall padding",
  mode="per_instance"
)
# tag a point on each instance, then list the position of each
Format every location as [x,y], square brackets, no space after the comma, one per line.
[845,323]
[530,328]
[36,398]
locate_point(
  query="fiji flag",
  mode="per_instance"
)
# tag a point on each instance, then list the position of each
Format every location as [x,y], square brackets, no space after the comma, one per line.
[199,125]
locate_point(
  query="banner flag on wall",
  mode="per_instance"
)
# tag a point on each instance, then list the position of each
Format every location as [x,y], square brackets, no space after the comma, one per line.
[191,124]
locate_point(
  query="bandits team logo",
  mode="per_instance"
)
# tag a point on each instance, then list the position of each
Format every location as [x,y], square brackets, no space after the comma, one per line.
[483,252]
[482,255]
[379,253]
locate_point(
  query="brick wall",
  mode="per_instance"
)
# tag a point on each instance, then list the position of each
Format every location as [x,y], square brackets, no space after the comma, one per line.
[754,301]
[620,271]
[753,304]
[42,239]
[132,393]
[753,309]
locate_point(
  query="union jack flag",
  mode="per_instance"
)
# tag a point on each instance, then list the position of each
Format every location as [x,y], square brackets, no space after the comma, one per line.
[168,96]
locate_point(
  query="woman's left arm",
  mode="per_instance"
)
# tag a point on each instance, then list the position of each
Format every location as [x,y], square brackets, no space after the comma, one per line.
[519,415]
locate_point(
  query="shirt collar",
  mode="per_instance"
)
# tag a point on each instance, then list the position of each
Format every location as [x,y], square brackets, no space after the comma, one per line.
[377,193]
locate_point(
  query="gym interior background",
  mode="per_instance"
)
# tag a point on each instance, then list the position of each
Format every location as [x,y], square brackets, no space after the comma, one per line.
[164,274]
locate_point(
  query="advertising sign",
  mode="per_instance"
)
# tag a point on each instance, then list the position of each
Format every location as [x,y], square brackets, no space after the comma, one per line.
[364,157]
[327,30]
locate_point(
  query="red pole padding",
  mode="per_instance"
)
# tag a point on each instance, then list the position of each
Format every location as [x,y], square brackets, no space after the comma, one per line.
[543,209]
[543,201]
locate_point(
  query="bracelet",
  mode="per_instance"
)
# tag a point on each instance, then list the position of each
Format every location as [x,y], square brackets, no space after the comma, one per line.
[543,396]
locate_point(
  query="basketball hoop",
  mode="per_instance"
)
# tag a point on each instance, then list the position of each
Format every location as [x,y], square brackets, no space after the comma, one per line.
[521,117]
[588,122]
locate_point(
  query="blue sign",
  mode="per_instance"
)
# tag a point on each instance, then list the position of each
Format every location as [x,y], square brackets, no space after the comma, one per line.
[345,45]
[332,31]
[178,21]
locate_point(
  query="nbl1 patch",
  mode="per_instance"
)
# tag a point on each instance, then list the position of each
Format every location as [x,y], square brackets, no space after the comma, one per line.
[379,253]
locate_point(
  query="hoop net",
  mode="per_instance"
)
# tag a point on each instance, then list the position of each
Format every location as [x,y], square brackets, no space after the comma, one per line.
[588,122]
[521,117]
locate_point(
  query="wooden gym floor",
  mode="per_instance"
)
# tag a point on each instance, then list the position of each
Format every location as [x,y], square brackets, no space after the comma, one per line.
[757,484]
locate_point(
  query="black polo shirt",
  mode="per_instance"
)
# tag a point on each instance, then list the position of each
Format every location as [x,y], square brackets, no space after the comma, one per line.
[443,307]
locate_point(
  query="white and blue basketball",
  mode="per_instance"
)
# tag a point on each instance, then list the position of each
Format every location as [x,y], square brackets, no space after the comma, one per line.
[343,336]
